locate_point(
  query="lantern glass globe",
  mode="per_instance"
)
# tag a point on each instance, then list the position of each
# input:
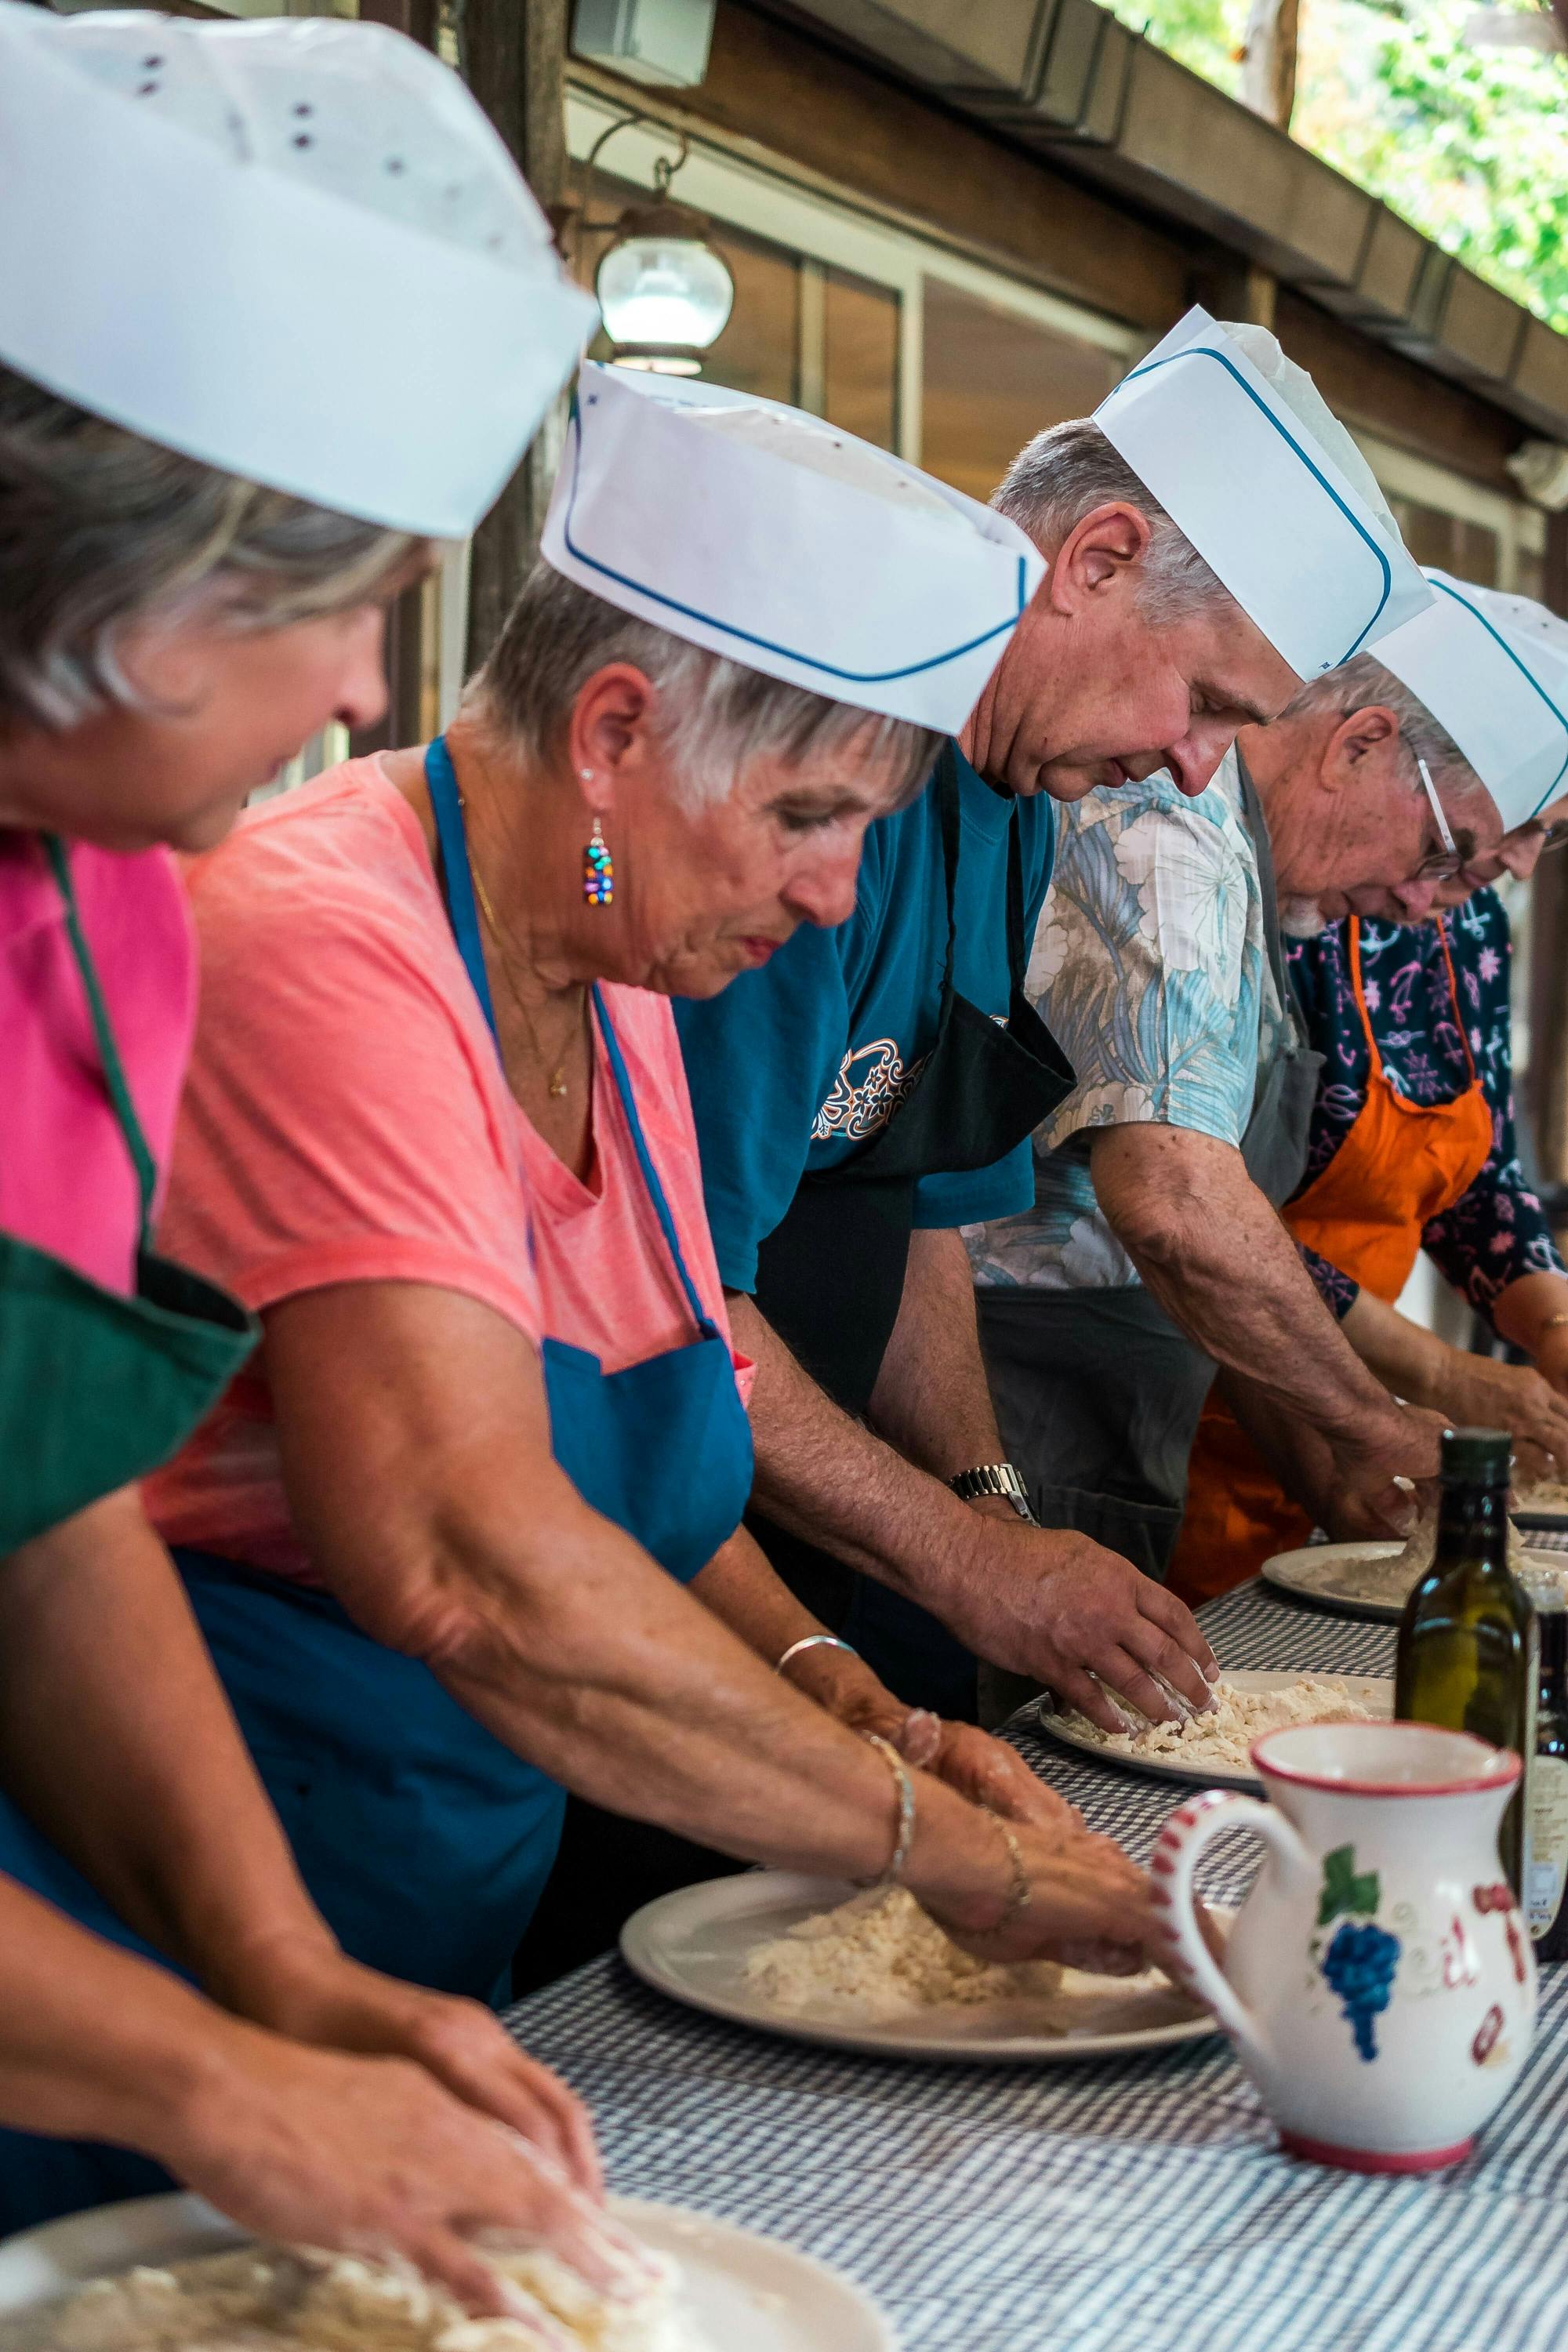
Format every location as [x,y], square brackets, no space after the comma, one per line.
[657,292]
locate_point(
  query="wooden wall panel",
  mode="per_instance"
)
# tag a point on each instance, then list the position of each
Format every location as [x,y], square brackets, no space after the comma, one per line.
[1397,399]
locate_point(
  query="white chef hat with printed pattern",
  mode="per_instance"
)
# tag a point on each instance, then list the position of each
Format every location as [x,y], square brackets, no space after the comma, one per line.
[294,248]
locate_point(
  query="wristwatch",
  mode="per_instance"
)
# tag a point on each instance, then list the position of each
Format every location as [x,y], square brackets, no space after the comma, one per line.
[994,1479]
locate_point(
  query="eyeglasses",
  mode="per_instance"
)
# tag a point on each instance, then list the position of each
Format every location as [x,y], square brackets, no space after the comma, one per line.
[1442,866]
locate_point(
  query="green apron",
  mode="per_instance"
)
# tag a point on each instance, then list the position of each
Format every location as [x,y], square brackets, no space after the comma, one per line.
[96,1389]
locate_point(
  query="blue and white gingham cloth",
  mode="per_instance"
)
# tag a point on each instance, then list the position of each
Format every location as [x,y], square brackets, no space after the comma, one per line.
[1136,2206]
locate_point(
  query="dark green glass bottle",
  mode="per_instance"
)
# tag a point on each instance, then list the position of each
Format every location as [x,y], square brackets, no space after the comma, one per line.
[1467,1656]
[1546,1786]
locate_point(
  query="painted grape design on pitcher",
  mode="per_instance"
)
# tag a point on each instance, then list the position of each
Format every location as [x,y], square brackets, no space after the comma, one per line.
[1362,1957]
[1359,1966]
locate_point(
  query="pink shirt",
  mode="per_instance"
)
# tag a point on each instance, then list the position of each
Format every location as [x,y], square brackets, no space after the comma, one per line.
[346,1119]
[67,1184]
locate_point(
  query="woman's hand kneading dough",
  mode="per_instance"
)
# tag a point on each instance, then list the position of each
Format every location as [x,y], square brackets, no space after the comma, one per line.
[374,2157]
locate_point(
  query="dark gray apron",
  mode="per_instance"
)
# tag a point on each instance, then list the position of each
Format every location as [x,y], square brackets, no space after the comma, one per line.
[1097,1393]
[830,1278]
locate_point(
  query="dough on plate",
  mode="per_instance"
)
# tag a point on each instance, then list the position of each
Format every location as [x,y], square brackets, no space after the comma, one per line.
[1221,1739]
[268,2299]
[881,1957]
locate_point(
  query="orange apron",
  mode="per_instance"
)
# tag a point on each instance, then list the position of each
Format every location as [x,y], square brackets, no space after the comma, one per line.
[1401,1165]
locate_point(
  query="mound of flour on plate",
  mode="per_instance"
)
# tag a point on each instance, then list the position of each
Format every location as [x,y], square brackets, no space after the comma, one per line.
[879,1956]
[1221,1739]
[263,2299]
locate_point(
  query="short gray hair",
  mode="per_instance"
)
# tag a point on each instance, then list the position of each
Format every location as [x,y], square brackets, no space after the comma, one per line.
[1362,682]
[1068,471]
[715,715]
[101,529]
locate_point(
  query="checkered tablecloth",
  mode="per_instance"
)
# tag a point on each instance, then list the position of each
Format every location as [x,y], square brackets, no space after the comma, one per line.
[1090,2208]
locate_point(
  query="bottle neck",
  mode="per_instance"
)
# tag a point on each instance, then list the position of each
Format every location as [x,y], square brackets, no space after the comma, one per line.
[1474,1520]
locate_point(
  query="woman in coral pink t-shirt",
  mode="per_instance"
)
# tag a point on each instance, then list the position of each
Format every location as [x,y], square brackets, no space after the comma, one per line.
[180,605]
[437,1136]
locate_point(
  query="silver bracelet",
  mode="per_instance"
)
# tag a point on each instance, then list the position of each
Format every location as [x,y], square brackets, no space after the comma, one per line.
[905,1838]
[814,1641]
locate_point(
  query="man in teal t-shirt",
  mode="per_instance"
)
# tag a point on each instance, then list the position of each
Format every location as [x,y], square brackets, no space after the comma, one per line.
[820,1045]
[882,1493]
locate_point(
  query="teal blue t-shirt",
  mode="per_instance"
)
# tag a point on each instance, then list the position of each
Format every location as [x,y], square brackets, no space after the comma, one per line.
[796,1065]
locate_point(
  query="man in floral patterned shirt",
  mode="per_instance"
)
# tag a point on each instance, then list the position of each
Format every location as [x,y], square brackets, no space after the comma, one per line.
[1104,1309]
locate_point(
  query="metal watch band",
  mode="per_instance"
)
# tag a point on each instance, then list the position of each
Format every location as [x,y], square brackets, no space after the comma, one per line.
[997,1478]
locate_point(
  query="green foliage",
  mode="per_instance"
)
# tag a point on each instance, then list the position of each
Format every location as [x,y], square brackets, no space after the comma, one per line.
[1469,144]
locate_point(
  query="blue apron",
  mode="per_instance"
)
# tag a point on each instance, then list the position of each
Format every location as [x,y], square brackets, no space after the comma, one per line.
[424,1840]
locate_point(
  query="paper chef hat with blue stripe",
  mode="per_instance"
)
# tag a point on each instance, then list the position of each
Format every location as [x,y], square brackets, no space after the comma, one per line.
[783,544]
[209,230]
[1492,670]
[1247,458]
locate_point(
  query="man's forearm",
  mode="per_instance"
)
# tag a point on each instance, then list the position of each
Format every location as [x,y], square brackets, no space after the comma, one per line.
[1523,1312]
[931,1398]
[1215,1255]
[1410,1362]
[150,1792]
[826,1478]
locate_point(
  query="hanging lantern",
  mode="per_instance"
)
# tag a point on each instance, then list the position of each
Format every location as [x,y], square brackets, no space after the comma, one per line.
[665,294]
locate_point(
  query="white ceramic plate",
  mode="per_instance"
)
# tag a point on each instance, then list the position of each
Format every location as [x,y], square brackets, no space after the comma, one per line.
[741,2289]
[693,1945]
[1333,1577]
[1542,1516]
[1374,1691]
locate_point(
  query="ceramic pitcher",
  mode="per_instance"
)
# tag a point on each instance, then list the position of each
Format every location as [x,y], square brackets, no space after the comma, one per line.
[1379,1982]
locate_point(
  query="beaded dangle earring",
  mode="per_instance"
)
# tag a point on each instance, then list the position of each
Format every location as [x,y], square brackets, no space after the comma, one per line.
[598,870]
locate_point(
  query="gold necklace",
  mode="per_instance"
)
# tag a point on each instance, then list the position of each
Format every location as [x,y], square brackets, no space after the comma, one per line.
[557,1078]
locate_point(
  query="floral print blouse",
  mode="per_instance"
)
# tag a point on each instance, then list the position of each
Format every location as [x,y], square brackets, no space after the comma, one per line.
[1497,1231]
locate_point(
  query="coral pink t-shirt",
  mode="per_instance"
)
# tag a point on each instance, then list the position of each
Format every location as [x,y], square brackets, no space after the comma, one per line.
[67,1183]
[346,1119]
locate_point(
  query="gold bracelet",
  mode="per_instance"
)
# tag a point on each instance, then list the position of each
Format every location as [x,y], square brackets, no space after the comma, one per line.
[1020,1895]
[904,1836]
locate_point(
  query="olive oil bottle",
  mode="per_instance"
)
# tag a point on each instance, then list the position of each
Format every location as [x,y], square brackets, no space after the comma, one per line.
[1468,1654]
[1546,1785]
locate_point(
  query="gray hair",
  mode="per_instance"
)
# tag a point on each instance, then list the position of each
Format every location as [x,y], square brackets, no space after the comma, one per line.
[714,717]
[1362,682]
[1068,471]
[101,529]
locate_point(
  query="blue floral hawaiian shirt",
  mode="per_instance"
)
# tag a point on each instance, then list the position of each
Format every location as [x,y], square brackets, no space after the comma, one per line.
[1150,967]
[1497,1231]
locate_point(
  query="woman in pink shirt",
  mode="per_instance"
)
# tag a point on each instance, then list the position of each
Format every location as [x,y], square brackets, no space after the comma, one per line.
[469,1528]
[179,606]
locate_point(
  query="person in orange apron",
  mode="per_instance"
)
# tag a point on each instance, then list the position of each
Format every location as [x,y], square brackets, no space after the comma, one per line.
[1402,1164]
[1492,672]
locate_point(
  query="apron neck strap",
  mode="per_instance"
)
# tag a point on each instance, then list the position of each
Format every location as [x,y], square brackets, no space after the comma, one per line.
[944,784]
[1359,990]
[1442,923]
[950,813]
[1263,850]
[108,1051]
[447,806]
[445,803]
[645,1161]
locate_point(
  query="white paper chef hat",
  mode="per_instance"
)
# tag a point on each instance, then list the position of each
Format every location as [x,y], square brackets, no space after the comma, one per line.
[1493,671]
[1240,449]
[783,544]
[294,248]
